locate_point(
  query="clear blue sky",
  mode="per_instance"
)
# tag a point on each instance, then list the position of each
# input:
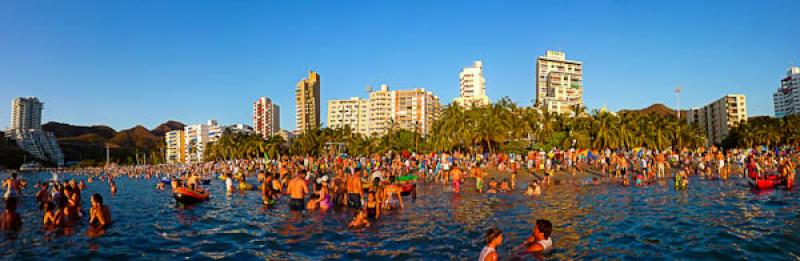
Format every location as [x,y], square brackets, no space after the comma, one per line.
[123,63]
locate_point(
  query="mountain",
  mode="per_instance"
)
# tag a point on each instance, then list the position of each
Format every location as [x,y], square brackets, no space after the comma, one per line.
[137,138]
[88,143]
[168,126]
[658,109]
[61,130]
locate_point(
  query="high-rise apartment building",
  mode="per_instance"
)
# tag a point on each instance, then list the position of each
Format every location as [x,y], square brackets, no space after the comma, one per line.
[472,86]
[787,98]
[307,102]
[559,83]
[717,118]
[353,112]
[176,146]
[26,130]
[416,110]
[266,117]
[26,114]
[413,110]
[197,137]
[381,110]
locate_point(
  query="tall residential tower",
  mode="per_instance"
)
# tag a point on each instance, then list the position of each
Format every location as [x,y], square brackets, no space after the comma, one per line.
[307,102]
[266,117]
[559,83]
[472,90]
[26,114]
[787,98]
[717,118]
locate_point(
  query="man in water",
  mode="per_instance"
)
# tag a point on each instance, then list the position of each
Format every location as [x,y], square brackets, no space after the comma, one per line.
[354,191]
[297,191]
[99,215]
[540,240]
[10,219]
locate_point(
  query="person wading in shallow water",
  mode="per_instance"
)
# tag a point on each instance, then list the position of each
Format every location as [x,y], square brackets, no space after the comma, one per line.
[540,240]
[297,191]
[494,237]
[354,191]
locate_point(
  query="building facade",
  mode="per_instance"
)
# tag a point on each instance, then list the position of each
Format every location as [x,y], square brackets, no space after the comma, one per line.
[26,130]
[307,102]
[472,86]
[198,137]
[717,118]
[266,117]
[176,147]
[240,129]
[26,113]
[353,113]
[413,110]
[559,83]
[787,98]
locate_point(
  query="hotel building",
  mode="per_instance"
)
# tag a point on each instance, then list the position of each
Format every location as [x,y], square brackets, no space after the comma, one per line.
[176,146]
[198,137]
[717,118]
[353,112]
[307,102]
[787,98]
[266,117]
[559,83]
[26,130]
[472,87]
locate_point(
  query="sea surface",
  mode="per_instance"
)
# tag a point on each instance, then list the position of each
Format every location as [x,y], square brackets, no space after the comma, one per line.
[711,220]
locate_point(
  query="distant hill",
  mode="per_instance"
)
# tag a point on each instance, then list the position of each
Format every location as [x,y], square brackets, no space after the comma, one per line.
[658,109]
[88,143]
[61,130]
[162,129]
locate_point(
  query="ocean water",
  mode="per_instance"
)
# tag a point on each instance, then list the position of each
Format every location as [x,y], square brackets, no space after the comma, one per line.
[710,220]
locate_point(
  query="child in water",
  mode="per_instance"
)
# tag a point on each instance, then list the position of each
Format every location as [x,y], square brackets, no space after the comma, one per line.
[360,220]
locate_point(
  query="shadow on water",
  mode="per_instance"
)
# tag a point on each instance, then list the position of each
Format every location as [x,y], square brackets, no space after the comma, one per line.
[712,220]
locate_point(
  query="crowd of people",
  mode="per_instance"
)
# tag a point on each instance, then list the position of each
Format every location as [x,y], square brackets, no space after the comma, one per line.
[375,186]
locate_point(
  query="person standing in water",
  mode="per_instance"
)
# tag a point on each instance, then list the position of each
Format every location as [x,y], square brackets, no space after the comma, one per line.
[297,191]
[494,237]
[99,215]
[354,191]
[540,240]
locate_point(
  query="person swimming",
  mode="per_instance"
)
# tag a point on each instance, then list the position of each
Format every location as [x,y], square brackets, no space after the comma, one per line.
[372,207]
[10,220]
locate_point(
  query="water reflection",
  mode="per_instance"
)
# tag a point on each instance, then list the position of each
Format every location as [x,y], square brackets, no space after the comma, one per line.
[712,220]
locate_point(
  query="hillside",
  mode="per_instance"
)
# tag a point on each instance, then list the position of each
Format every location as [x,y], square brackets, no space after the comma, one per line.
[658,109]
[88,143]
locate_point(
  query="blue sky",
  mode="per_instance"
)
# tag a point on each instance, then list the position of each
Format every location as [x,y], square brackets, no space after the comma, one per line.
[122,63]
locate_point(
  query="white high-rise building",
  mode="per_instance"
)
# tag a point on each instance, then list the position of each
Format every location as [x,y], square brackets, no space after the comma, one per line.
[26,130]
[381,110]
[787,98]
[197,138]
[472,90]
[26,114]
[353,112]
[559,83]
[266,117]
[717,118]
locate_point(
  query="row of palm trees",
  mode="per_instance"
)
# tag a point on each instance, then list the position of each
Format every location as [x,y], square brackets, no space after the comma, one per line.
[234,145]
[503,126]
[765,131]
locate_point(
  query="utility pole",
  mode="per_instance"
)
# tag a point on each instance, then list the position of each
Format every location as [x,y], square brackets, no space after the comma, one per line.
[678,126]
[108,153]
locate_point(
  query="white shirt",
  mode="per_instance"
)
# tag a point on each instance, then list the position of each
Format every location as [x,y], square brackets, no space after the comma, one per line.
[547,244]
[485,252]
